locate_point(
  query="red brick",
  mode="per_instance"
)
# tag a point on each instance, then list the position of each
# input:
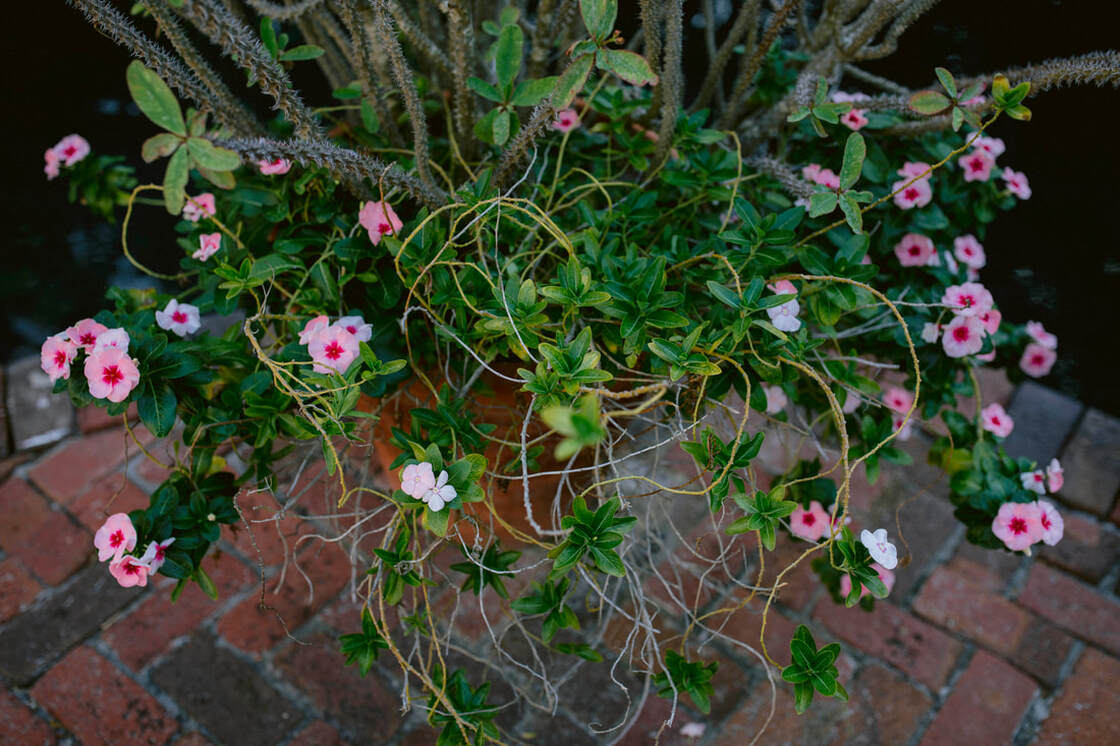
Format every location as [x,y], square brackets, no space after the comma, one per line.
[1087,548]
[17,588]
[745,625]
[895,636]
[1075,607]
[91,419]
[884,709]
[9,464]
[991,570]
[18,723]
[953,602]
[114,493]
[146,469]
[985,706]
[56,549]
[21,511]
[265,539]
[1085,711]
[99,704]
[194,738]
[147,631]
[66,472]
[318,733]
[818,725]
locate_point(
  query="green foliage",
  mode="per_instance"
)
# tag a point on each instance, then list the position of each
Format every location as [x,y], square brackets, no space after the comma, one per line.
[812,669]
[470,704]
[723,459]
[581,426]
[820,110]
[548,599]
[682,676]
[592,536]
[487,570]
[396,569]
[363,647]
[764,513]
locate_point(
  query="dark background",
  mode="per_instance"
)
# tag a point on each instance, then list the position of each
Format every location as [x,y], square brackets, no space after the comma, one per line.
[1054,259]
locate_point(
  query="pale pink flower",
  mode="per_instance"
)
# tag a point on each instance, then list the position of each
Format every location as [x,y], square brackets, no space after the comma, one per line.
[51,167]
[882,550]
[993,146]
[566,120]
[357,326]
[996,420]
[898,400]
[854,119]
[333,350]
[181,318]
[969,251]
[809,173]
[968,299]
[313,327]
[990,319]
[55,356]
[910,195]
[851,402]
[111,374]
[903,426]
[1055,476]
[964,335]
[378,218]
[826,177]
[1039,334]
[1053,527]
[782,287]
[1037,360]
[884,574]
[115,338]
[200,206]
[843,97]
[809,524]
[775,399]
[986,357]
[154,555]
[439,494]
[130,572]
[692,730]
[977,166]
[1018,525]
[1035,481]
[1017,183]
[950,262]
[208,246]
[914,250]
[85,333]
[71,149]
[910,169]
[417,479]
[275,167]
[115,537]
[784,317]
[930,332]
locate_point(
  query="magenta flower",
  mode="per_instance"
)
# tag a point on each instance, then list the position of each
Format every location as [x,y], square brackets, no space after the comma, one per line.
[313,327]
[333,350]
[977,166]
[71,149]
[898,400]
[996,420]
[378,218]
[130,572]
[914,250]
[993,146]
[111,374]
[115,537]
[181,318]
[51,167]
[55,356]
[917,194]
[854,119]
[566,120]
[85,333]
[154,555]
[357,326]
[809,524]
[1055,476]
[1039,334]
[200,206]
[884,574]
[1017,183]
[1035,481]
[275,167]
[823,176]
[969,251]
[116,339]
[882,550]
[964,335]
[990,319]
[208,245]
[1037,360]
[968,299]
[417,479]
[775,399]
[1018,525]
[1053,527]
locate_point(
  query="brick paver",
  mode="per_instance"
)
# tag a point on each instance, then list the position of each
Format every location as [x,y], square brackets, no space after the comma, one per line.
[66,472]
[1073,606]
[19,725]
[17,588]
[1092,463]
[1085,712]
[985,706]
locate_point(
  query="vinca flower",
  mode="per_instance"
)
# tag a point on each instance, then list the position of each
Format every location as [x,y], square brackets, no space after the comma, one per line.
[1038,333]
[85,333]
[417,479]
[1035,481]
[180,318]
[775,399]
[993,146]
[914,250]
[195,208]
[784,317]
[311,328]
[996,420]
[969,251]
[930,332]
[154,554]
[977,166]
[1018,525]
[1016,183]
[968,299]
[115,537]
[130,572]
[53,162]
[357,326]
[112,338]
[882,550]
[964,335]
[990,320]
[439,494]
[333,350]
[55,356]
[379,219]
[898,400]
[275,167]
[1055,476]
[111,374]
[71,149]
[1053,527]
[1037,360]
[208,245]
[809,524]
[566,120]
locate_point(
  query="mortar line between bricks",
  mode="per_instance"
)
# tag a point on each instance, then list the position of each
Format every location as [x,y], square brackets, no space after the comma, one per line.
[1039,708]
[942,556]
[23,695]
[943,694]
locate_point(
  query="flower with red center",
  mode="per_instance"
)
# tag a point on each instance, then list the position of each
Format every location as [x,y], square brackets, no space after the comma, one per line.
[313,327]
[181,318]
[977,166]
[775,399]
[854,119]
[968,299]
[964,335]
[55,356]
[111,374]
[826,177]
[275,167]
[1055,476]
[85,333]
[1035,481]
[199,206]
[155,554]
[908,194]
[1017,184]
[115,537]
[1018,525]
[882,550]
[1038,333]
[809,524]
[969,251]
[990,319]
[1053,527]
[1037,360]
[993,146]
[911,169]
[914,250]
[884,574]
[357,326]
[379,219]
[996,420]
[51,167]
[130,572]
[333,350]
[71,149]
[208,246]
[898,400]
[116,338]
[903,426]
[566,120]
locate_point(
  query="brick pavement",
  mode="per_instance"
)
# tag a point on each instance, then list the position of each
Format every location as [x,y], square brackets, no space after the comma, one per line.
[973,647]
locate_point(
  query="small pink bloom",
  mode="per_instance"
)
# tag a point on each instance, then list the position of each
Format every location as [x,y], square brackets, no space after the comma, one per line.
[993,146]
[418,479]
[566,120]
[914,250]
[378,218]
[827,178]
[1037,360]
[51,168]
[1018,525]
[114,338]
[909,195]
[115,537]
[968,299]
[854,119]
[333,350]
[208,245]
[130,572]
[775,399]
[197,207]
[154,555]
[85,333]
[969,251]
[977,166]
[1017,183]
[313,327]
[930,332]
[898,400]
[910,169]
[809,524]
[784,317]
[1055,476]
[1039,334]
[181,318]
[71,149]
[809,173]
[990,319]
[1035,481]
[964,335]
[440,493]
[1052,524]
[851,402]
[275,167]
[996,420]
[692,730]
[55,356]
[986,357]
[783,287]
[111,374]
[357,326]
[884,574]
[950,262]
[902,426]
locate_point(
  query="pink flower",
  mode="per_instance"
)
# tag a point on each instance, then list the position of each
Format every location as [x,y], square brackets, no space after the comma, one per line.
[1039,334]
[783,287]
[950,262]
[964,335]
[827,178]
[197,207]
[1037,360]
[914,250]
[910,169]
[51,169]
[181,318]
[882,550]
[378,218]
[208,245]
[1055,476]
[85,333]
[854,119]
[884,574]
[692,730]
[71,149]
[990,319]
[775,399]
[851,402]
[417,479]
[1035,481]
[275,167]
[55,356]
[968,299]
[977,166]
[129,572]
[154,554]
[111,374]
[115,537]
[112,338]
[313,327]
[996,420]
[809,173]
[809,524]
[566,120]
[930,332]
[1052,524]
[903,426]
[898,400]
[969,251]
[357,326]
[1018,525]
[333,350]
[993,146]
[917,194]
[1017,183]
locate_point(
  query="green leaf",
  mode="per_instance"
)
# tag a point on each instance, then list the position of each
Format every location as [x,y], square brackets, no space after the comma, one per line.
[501,127]
[532,92]
[157,408]
[154,98]
[484,89]
[302,52]
[175,181]
[929,102]
[822,203]
[572,81]
[851,211]
[630,66]
[268,37]
[159,146]
[855,150]
[947,81]
[598,17]
[209,156]
[507,58]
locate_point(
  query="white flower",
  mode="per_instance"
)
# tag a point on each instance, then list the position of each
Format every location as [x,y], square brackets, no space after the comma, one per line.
[692,730]
[1035,481]
[180,318]
[775,399]
[784,317]
[882,551]
[439,495]
[117,338]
